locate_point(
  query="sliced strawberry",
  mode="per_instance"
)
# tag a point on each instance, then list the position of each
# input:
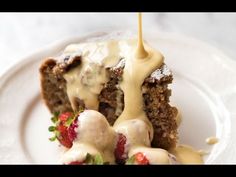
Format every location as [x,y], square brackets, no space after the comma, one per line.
[120,154]
[64,116]
[141,159]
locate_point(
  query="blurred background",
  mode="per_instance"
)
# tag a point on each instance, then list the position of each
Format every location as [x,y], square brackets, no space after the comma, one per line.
[23,33]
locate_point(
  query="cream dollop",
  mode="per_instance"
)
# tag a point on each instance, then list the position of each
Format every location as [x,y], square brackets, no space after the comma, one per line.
[94,129]
[94,136]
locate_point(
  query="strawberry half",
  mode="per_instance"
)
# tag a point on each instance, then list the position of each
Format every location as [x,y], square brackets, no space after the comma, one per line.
[120,154]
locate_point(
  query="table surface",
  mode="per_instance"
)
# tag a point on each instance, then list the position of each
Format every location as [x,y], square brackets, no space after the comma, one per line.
[23,33]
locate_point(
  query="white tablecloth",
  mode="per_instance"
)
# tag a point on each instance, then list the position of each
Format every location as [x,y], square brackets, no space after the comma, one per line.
[23,33]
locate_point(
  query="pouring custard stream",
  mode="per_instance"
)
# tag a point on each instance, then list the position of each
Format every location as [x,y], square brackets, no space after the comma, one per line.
[140,63]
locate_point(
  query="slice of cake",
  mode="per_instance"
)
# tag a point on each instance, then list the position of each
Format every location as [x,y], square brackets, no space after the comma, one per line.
[64,77]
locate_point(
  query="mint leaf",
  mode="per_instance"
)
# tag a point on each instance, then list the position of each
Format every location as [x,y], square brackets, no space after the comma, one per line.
[131,160]
[51,128]
[98,159]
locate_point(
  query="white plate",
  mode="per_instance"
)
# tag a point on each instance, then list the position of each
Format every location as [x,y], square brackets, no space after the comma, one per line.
[204,89]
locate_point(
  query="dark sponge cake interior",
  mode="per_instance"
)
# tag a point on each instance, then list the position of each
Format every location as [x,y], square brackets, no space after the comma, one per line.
[111,99]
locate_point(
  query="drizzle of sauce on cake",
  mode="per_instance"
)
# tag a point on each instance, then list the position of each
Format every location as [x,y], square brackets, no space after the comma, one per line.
[139,64]
[87,80]
[212,140]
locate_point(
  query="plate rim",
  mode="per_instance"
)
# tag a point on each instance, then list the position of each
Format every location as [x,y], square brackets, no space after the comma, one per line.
[10,71]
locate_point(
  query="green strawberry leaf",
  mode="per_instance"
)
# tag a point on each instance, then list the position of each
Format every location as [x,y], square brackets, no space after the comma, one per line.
[53,138]
[131,160]
[88,159]
[98,159]
[93,160]
[54,119]
[57,133]
[69,121]
[51,128]
[56,114]
[106,163]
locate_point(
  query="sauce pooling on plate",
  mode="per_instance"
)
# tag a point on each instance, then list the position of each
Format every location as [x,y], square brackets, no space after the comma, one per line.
[212,140]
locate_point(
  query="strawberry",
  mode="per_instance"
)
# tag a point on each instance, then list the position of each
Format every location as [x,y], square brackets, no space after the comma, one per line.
[64,116]
[71,130]
[139,158]
[120,154]
[63,136]
[64,129]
